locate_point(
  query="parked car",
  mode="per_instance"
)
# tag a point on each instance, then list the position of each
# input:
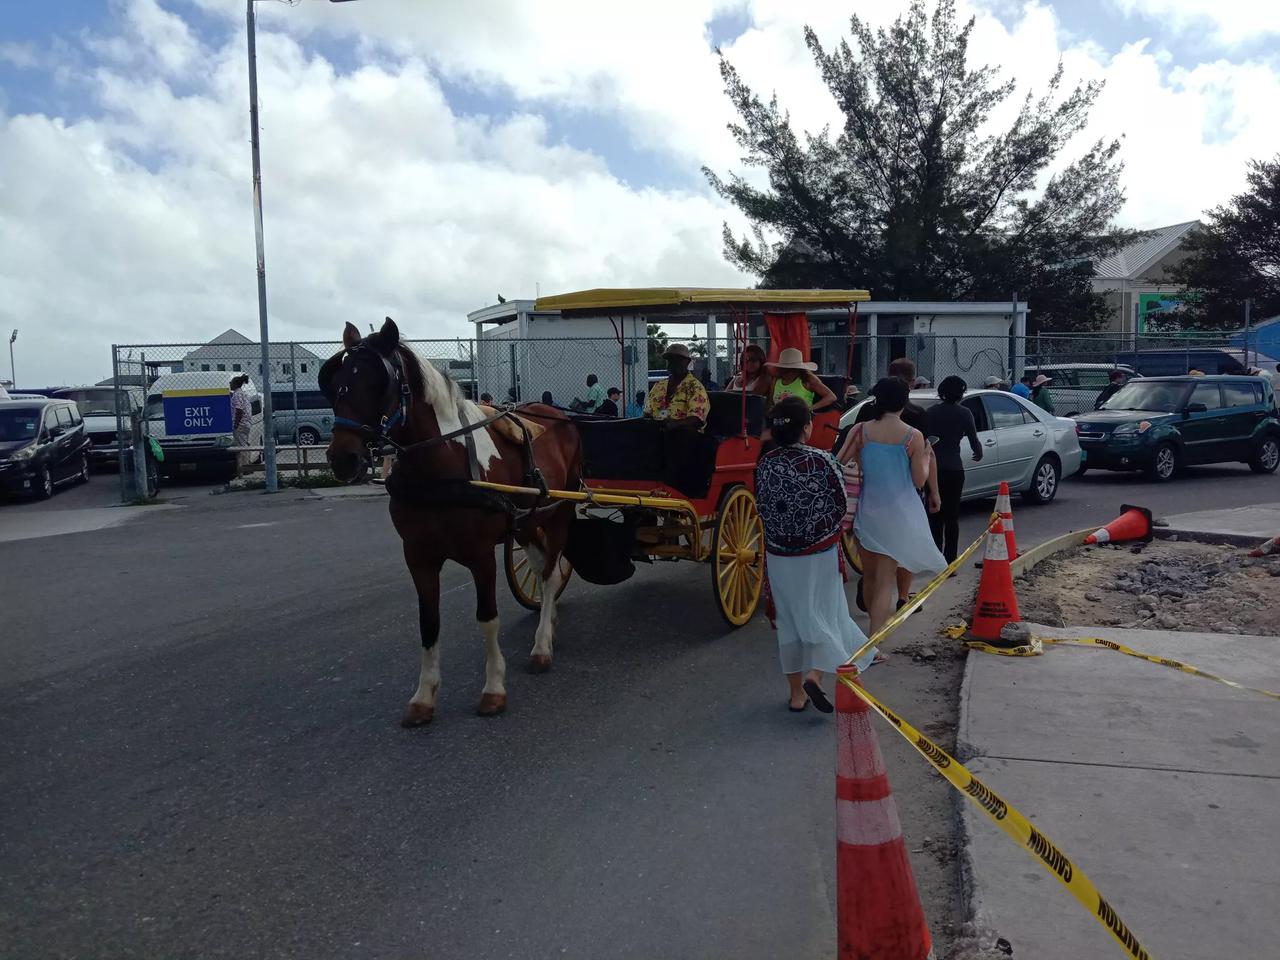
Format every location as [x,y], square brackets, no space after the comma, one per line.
[1175,363]
[1075,386]
[1164,423]
[42,446]
[1021,444]
[313,423]
[190,454]
[97,406]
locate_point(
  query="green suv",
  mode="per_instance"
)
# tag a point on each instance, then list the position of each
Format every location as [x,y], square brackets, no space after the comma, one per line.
[1159,424]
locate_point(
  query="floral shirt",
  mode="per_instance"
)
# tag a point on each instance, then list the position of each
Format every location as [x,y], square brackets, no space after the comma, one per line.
[689,400]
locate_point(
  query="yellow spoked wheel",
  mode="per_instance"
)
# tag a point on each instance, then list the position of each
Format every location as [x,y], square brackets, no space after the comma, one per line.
[737,563]
[522,575]
[849,544]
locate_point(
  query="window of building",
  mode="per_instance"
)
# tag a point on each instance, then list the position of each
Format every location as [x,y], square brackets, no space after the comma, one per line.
[304,368]
[287,368]
[222,366]
[204,366]
[235,366]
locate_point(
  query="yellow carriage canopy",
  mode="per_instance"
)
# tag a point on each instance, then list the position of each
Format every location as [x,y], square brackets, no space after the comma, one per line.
[694,301]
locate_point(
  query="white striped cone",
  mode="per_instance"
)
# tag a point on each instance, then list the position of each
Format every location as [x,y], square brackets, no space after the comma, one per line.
[1005,511]
[1267,547]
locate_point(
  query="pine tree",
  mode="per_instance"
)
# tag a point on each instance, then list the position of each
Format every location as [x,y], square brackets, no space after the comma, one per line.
[915,198]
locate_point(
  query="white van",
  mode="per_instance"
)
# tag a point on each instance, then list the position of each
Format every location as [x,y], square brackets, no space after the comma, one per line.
[188,454]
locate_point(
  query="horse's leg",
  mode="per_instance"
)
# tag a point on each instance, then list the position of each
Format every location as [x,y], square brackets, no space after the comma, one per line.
[547,553]
[426,579]
[484,570]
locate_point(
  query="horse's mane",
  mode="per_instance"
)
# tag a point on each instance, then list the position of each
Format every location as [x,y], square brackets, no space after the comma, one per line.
[427,382]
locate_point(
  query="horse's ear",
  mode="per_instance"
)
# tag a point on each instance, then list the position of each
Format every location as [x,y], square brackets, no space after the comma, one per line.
[350,335]
[389,335]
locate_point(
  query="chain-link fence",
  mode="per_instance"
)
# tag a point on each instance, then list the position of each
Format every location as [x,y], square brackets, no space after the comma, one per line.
[178,394]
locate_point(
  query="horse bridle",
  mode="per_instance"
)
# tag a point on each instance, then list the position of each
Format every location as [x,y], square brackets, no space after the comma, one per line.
[396,401]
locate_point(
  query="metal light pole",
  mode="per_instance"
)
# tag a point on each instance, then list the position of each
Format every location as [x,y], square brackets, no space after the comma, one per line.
[268,427]
[12,375]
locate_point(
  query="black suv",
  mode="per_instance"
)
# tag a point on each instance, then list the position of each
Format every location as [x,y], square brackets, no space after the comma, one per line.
[1159,424]
[42,444]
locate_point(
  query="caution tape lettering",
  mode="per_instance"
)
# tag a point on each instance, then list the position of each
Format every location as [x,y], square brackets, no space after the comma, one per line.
[989,801]
[1054,858]
[926,747]
[1122,933]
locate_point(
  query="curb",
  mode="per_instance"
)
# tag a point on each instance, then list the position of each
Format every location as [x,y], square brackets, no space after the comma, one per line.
[1208,536]
[1027,561]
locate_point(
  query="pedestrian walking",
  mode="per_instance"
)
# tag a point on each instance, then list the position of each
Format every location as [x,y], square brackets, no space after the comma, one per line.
[801,496]
[950,422]
[241,418]
[1040,394]
[1106,393]
[891,524]
[1023,387]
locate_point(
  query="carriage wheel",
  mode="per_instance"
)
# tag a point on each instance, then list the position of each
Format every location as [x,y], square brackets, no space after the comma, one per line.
[849,544]
[522,575]
[737,566]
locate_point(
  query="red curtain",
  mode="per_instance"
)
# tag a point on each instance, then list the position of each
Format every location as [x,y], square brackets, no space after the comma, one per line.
[787,330]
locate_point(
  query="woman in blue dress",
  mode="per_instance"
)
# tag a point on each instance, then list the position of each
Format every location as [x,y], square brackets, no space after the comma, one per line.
[891,524]
[801,497]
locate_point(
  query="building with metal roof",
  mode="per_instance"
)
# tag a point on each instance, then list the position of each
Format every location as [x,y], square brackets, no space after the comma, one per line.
[1135,279]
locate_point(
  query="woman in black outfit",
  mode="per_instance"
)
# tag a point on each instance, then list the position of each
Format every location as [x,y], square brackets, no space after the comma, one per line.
[945,424]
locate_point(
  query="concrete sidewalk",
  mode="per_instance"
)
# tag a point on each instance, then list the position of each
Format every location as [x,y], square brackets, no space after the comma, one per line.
[1159,785]
[1247,524]
[34,525]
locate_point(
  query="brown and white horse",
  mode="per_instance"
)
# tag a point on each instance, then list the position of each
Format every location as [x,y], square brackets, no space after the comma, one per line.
[383,394]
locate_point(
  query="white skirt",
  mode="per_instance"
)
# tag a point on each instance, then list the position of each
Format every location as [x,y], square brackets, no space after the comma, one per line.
[815,629]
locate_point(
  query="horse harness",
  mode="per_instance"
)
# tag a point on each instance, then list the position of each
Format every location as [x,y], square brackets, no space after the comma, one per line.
[440,493]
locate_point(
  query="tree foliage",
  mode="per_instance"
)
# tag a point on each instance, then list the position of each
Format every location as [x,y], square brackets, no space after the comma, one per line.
[1236,255]
[917,197]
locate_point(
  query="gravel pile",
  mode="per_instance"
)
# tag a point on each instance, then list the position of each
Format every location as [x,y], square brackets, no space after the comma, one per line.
[1164,585]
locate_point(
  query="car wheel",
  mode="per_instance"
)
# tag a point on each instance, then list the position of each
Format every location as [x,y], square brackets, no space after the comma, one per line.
[1267,457]
[44,485]
[308,437]
[83,475]
[1164,463]
[1044,482]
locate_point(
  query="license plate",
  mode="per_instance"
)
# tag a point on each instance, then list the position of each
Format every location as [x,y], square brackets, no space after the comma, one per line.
[188,467]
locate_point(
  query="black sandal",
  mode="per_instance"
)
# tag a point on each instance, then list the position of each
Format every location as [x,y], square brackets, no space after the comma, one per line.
[819,698]
[800,709]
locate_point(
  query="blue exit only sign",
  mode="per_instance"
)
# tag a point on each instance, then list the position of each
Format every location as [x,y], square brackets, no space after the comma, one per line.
[197,411]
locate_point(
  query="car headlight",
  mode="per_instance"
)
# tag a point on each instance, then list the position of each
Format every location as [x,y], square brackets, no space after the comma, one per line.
[1132,429]
[26,453]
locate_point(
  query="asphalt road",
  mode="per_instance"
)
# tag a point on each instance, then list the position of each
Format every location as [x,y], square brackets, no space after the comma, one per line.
[199,752]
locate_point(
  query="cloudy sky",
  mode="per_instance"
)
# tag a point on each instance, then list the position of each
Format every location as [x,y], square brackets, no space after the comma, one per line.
[421,157]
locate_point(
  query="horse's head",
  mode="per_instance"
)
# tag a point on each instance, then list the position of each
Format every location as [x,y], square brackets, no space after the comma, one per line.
[365,384]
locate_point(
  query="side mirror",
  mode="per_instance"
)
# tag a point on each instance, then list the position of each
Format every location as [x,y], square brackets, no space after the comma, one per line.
[1195,408]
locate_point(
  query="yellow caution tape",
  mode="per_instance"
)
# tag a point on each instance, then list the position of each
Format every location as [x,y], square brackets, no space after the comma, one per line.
[914,603]
[1035,648]
[1013,823]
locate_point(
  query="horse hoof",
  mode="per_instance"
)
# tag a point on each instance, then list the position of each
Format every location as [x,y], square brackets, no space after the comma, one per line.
[417,715]
[492,704]
[539,663]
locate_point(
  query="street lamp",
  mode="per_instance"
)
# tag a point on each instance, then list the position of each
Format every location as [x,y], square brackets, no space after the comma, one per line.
[268,432]
[12,376]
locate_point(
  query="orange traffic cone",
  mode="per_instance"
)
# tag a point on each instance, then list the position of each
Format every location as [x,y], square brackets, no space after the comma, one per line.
[996,604]
[1134,523]
[1005,509]
[878,911]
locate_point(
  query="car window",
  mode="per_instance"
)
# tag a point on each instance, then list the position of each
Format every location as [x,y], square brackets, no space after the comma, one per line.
[1003,411]
[1206,393]
[974,406]
[313,400]
[1241,394]
[1093,378]
[64,417]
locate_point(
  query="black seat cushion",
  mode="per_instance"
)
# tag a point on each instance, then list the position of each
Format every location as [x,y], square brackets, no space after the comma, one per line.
[725,417]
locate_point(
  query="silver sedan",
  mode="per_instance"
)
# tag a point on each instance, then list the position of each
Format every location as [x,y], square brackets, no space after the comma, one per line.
[1021,444]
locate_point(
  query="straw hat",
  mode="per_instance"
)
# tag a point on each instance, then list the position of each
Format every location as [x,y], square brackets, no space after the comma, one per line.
[1041,380]
[791,359]
[992,382]
[676,350]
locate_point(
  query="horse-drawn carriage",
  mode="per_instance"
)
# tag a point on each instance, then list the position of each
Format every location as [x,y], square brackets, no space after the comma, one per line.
[651,493]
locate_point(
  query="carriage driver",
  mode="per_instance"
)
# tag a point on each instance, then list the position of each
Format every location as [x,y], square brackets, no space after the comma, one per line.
[681,399]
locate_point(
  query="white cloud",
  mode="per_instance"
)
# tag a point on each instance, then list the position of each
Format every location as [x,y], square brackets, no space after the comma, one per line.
[1227,21]
[381,198]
